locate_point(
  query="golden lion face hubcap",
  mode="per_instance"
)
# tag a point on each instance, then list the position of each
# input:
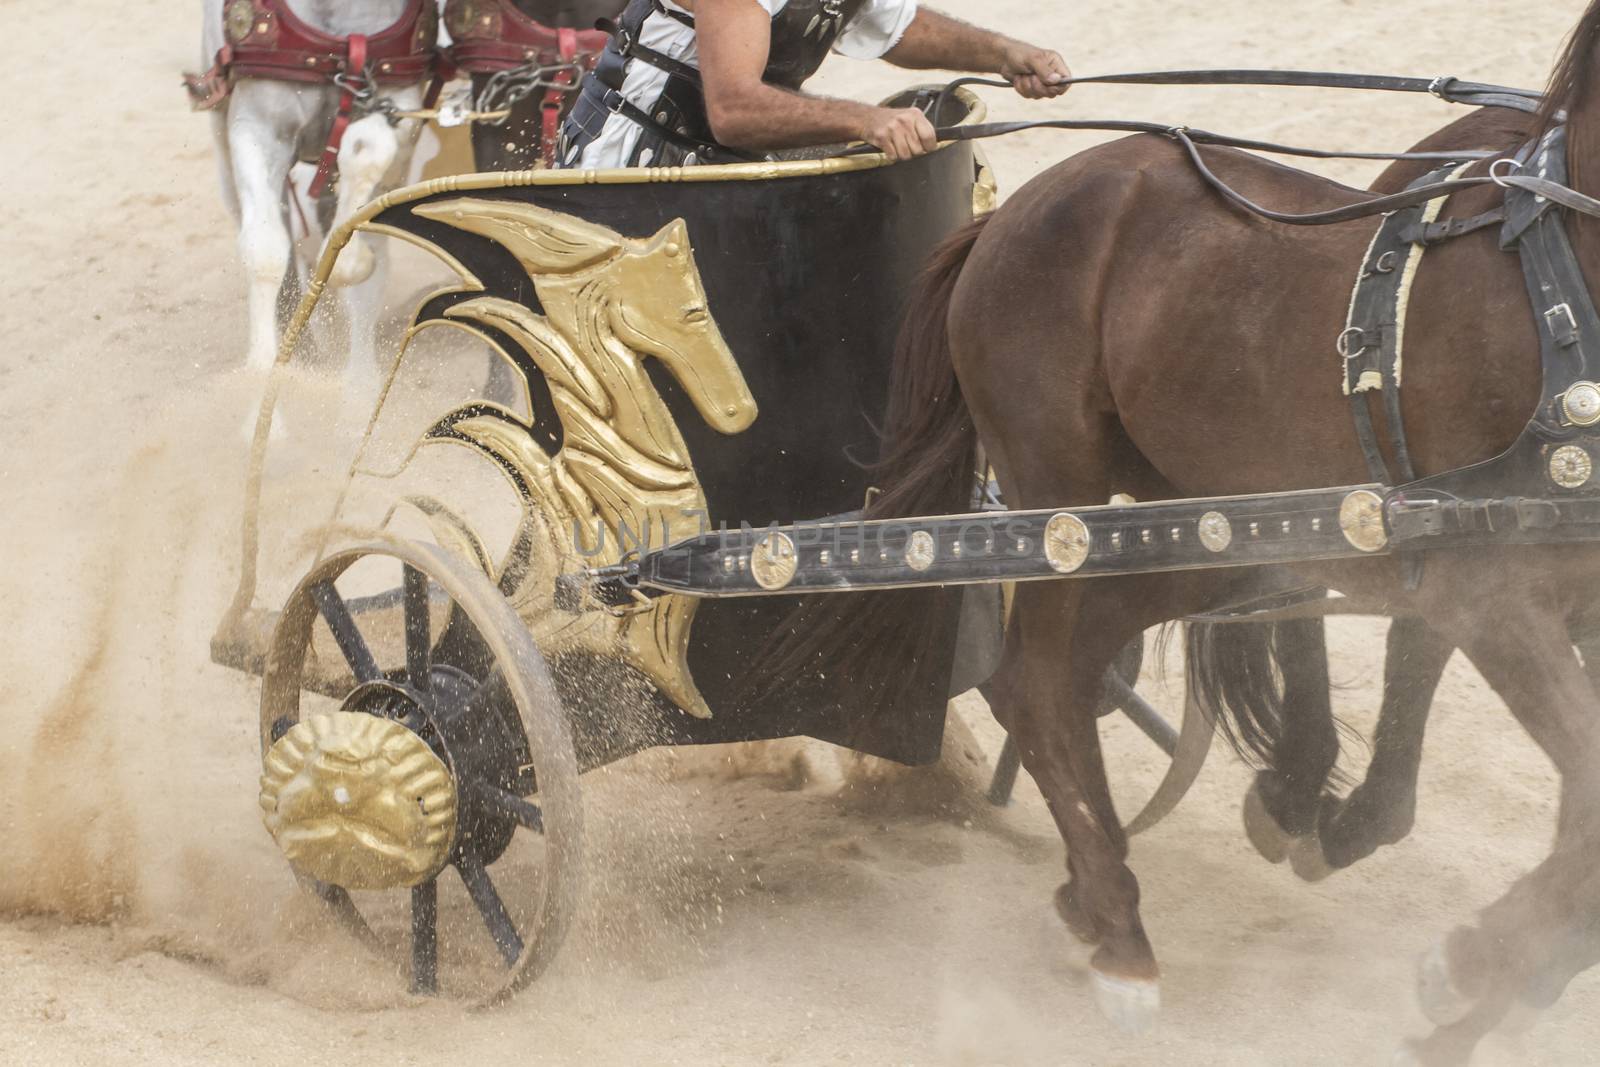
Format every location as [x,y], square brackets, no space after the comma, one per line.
[358,801]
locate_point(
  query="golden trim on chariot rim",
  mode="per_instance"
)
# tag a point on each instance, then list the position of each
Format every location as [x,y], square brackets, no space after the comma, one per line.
[358,802]
[250,533]
[468,279]
[1361,519]
[623,473]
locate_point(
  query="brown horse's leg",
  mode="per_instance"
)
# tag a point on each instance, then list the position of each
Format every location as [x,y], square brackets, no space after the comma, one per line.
[1381,809]
[1063,637]
[1472,978]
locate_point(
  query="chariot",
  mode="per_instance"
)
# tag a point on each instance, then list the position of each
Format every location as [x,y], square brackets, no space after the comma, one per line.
[700,356]
[692,349]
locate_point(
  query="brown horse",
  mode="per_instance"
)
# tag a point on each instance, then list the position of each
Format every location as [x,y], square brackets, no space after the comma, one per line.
[1118,327]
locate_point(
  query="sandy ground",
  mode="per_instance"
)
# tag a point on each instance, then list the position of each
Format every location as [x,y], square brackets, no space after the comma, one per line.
[145,916]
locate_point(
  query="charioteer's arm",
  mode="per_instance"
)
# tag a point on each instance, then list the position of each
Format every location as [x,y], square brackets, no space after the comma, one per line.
[937,41]
[745,112]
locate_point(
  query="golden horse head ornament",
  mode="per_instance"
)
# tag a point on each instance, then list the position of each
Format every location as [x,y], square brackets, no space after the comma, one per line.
[622,473]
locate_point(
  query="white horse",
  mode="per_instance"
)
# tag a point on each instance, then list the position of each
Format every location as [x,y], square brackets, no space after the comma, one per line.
[262,130]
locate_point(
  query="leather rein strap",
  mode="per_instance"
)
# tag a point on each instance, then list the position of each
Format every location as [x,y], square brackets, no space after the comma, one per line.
[1446,87]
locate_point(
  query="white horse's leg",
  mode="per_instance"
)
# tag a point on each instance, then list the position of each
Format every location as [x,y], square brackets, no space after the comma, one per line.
[261,157]
[219,137]
[371,156]
[366,154]
[363,307]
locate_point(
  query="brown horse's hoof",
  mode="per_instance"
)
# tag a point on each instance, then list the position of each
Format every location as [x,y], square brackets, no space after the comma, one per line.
[1441,1000]
[1310,863]
[1406,1056]
[1520,1018]
[1262,829]
[1130,1004]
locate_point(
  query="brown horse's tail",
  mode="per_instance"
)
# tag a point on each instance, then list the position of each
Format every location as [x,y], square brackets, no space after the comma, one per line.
[1254,674]
[929,444]
[926,467]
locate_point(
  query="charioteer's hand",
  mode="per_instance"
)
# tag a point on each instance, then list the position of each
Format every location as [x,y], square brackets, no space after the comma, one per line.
[899,132]
[1036,73]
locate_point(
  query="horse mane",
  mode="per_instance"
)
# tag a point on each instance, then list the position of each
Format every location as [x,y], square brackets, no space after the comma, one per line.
[1572,78]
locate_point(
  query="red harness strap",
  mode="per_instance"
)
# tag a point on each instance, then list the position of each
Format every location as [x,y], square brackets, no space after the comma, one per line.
[349,86]
[488,36]
[269,41]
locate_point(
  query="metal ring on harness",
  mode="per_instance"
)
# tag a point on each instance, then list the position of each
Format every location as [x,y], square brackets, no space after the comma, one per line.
[359,86]
[1499,179]
[1347,338]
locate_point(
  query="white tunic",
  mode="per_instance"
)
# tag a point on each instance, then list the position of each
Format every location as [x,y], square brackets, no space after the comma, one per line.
[875,30]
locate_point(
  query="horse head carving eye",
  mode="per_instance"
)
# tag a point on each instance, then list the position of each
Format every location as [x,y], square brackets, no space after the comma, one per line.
[696,314]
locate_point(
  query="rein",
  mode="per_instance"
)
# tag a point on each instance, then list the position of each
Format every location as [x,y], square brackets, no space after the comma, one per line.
[1445,87]
[1451,89]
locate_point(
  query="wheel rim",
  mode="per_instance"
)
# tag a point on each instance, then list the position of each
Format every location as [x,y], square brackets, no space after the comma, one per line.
[492,718]
[1186,745]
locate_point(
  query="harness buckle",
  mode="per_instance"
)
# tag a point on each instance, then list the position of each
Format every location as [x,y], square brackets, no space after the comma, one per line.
[1562,324]
[1438,85]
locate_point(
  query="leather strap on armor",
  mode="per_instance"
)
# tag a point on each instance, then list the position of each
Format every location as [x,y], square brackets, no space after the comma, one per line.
[676,126]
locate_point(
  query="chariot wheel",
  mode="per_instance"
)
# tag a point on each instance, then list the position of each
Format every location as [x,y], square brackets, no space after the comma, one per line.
[1185,745]
[431,805]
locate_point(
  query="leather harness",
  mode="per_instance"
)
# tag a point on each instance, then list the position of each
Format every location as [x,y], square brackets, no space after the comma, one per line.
[1556,451]
[493,36]
[265,39]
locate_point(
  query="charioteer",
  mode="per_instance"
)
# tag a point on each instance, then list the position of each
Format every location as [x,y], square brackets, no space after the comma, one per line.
[718,81]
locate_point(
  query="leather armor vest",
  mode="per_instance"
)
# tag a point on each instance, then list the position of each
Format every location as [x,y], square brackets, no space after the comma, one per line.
[675,127]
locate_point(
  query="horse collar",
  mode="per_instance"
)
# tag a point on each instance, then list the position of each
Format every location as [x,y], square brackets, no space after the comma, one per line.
[1542,488]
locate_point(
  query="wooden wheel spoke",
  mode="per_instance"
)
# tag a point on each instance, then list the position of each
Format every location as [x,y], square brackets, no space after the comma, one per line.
[1145,717]
[345,632]
[481,888]
[442,653]
[425,937]
[484,698]
[524,812]
[418,636]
